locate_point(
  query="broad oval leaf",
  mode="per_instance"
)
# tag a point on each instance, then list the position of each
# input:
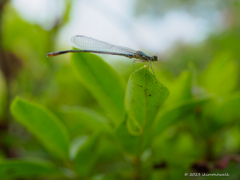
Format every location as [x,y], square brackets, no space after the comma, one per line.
[102,81]
[81,120]
[144,95]
[44,125]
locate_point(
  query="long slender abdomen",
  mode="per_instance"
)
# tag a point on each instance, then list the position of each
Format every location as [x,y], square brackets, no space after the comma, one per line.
[60,52]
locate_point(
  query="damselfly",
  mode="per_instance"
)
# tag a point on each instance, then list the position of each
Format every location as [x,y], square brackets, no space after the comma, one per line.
[87,44]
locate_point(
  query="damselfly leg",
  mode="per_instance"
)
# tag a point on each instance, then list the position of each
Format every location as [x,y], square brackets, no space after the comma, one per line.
[135,63]
[150,64]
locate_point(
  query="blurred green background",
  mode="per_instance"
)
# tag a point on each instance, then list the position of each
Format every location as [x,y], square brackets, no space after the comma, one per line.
[200,130]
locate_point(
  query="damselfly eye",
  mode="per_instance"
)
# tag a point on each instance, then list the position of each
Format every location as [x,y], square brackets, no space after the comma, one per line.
[154,58]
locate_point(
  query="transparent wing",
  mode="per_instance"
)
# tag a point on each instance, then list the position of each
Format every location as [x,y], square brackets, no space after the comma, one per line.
[87,43]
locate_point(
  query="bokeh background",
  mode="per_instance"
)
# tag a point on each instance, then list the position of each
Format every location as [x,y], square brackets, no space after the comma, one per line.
[200,36]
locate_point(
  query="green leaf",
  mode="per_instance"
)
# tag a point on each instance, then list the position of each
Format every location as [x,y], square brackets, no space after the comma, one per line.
[86,156]
[70,91]
[44,125]
[144,95]
[175,113]
[76,144]
[127,141]
[28,168]
[24,47]
[229,112]
[221,76]
[181,90]
[102,81]
[80,120]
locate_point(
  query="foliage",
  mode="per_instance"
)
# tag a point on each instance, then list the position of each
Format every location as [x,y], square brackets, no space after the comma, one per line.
[81,120]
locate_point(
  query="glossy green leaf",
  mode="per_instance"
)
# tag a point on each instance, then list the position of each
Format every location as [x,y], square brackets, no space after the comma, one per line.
[86,156]
[144,95]
[80,120]
[175,113]
[70,91]
[102,81]
[28,168]
[44,125]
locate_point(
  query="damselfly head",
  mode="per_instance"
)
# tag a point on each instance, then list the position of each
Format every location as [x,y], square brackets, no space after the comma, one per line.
[154,58]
